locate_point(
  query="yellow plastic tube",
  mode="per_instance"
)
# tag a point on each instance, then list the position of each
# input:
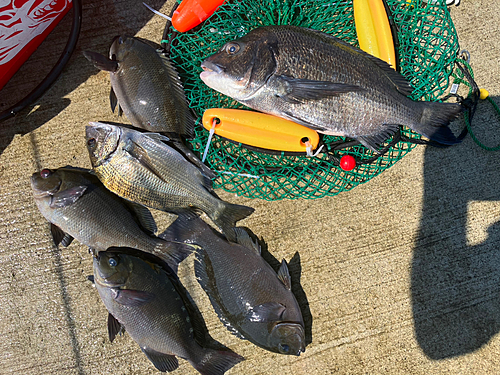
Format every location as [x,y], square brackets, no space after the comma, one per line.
[260,130]
[373,30]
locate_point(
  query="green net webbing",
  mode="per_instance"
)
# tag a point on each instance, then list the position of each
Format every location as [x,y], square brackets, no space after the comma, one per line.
[428,47]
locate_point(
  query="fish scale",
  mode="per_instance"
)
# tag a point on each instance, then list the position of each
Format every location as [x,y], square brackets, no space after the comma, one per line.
[154,314]
[98,219]
[141,168]
[243,288]
[148,88]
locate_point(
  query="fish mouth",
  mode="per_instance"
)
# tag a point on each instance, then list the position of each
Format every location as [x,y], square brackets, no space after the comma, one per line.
[98,131]
[210,67]
[40,192]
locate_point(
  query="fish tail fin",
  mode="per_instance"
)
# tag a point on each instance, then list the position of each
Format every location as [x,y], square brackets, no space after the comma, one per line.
[187,228]
[227,216]
[216,362]
[435,120]
[172,252]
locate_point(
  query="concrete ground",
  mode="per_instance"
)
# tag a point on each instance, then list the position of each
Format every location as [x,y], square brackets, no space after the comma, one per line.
[401,275]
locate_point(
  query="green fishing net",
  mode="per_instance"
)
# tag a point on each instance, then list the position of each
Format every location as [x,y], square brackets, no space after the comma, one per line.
[428,47]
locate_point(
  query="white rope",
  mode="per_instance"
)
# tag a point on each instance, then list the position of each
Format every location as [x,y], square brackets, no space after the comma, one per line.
[212,132]
[156,12]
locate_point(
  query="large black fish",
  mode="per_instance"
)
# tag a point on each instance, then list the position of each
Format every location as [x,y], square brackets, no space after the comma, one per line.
[250,298]
[143,300]
[325,84]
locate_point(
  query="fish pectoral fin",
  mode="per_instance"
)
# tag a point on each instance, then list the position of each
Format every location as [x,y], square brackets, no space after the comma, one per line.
[101,62]
[374,141]
[284,275]
[67,197]
[163,362]
[143,216]
[141,155]
[243,238]
[266,312]
[307,124]
[132,298]
[114,327]
[301,90]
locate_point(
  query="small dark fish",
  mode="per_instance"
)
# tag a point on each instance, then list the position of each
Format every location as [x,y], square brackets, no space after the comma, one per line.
[78,206]
[143,300]
[323,83]
[141,168]
[146,86]
[251,300]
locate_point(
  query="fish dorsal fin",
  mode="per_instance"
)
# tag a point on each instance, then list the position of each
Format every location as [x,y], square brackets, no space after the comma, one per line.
[201,272]
[114,327]
[163,362]
[243,238]
[284,275]
[302,90]
[266,312]
[143,216]
[400,82]
[179,91]
[101,62]
[67,239]
[67,197]
[131,298]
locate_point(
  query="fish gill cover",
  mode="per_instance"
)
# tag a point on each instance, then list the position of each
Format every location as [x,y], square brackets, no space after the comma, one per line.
[428,47]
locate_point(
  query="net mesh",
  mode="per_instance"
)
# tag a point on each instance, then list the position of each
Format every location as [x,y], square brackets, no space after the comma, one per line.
[428,47]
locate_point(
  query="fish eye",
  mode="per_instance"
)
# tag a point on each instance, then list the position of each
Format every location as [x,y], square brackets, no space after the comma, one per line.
[112,262]
[91,142]
[232,48]
[45,173]
[283,348]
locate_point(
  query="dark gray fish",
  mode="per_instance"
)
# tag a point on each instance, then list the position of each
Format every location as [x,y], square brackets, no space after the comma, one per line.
[141,168]
[143,300]
[146,86]
[323,83]
[249,297]
[78,206]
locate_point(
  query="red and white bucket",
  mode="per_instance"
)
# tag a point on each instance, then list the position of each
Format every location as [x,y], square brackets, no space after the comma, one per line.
[24,24]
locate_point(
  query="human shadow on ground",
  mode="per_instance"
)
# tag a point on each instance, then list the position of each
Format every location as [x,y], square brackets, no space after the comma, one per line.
[455,280]
[101,22]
